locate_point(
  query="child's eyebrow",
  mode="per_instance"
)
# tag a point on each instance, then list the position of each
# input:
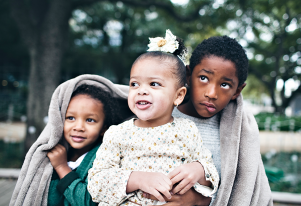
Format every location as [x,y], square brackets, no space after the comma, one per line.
[87,114]
[228,79]
[223,78]
[91,114]
[149,78]
[207,71]
[69,112]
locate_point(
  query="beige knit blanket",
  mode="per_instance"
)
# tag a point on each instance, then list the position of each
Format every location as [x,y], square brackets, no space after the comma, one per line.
[243,178]
[35,176]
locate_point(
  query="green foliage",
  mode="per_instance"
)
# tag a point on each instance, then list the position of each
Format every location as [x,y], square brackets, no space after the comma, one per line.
[13,53]
[270,121]
[271,33]
[14,66]
[106,38]
[284,186]
[274,174]
[254,88]
[282,172]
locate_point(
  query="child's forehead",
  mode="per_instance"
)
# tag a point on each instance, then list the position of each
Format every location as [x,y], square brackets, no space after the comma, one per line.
[217,66]
[218,63]
[221,59]
[165,62]
[153,65]
[84,99]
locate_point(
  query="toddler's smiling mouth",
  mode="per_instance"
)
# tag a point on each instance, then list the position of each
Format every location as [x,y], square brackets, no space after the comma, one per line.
[143,104]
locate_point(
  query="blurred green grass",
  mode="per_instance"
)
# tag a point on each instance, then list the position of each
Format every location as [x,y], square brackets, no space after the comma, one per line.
[274,122]
[283,170]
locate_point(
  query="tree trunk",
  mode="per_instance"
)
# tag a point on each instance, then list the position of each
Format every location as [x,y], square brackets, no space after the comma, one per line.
[44,28]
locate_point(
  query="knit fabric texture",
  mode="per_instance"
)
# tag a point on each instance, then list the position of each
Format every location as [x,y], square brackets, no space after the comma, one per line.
[209,130]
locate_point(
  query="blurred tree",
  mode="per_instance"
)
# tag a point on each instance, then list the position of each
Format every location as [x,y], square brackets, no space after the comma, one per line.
[14,61]
[43,26]
[117,31]
[120,35]
[12,51]
[271,30]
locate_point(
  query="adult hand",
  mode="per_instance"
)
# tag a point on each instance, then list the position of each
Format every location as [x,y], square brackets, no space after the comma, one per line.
[187,174]
[191,197]
[150,182]
[58,159]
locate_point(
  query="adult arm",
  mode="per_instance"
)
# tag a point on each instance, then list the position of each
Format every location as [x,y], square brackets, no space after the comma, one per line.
[190,198]
[155,183]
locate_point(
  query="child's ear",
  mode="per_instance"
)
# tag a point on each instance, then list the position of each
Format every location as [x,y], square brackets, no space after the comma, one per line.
[238,91]
[180,94]
[188,74]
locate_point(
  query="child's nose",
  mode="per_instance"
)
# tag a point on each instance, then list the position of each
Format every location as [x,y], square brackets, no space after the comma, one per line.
[211,92]
[142,90]
[79,126]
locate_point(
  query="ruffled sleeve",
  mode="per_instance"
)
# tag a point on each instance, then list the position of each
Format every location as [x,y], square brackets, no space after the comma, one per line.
[107,182]
[204,156]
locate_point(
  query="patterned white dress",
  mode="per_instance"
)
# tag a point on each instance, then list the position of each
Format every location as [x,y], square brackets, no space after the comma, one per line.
[128,148]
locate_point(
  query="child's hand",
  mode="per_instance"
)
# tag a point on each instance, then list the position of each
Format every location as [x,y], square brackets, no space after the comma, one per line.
[57,156]
[153,183]
[58,159]
[187,174]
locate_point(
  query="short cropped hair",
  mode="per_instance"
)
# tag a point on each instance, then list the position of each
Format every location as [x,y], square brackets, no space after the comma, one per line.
[226,48]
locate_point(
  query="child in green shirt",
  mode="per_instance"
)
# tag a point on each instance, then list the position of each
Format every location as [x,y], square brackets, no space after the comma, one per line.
[90,112]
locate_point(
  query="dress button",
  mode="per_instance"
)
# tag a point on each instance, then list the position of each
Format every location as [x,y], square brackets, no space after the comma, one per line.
[207,175]
[183,159]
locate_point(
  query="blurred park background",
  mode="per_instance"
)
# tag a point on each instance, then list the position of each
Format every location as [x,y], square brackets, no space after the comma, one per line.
[44,43]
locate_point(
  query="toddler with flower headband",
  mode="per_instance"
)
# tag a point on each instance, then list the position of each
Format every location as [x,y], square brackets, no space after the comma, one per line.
[147,154]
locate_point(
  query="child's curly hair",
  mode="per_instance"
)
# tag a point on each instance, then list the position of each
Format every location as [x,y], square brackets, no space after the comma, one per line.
[110,105]
[226,48]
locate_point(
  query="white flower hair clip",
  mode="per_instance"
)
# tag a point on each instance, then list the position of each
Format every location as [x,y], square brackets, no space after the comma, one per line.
[168,44]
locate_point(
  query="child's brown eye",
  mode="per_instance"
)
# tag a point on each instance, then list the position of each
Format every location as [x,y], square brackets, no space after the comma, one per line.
[155,84]
[225,85]
[90,120]
[203,78]
[70,118]
[134,84]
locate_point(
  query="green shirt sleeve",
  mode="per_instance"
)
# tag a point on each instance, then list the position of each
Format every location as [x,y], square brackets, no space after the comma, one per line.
[77,193]
[72,190]
[54,197]
[66,181]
